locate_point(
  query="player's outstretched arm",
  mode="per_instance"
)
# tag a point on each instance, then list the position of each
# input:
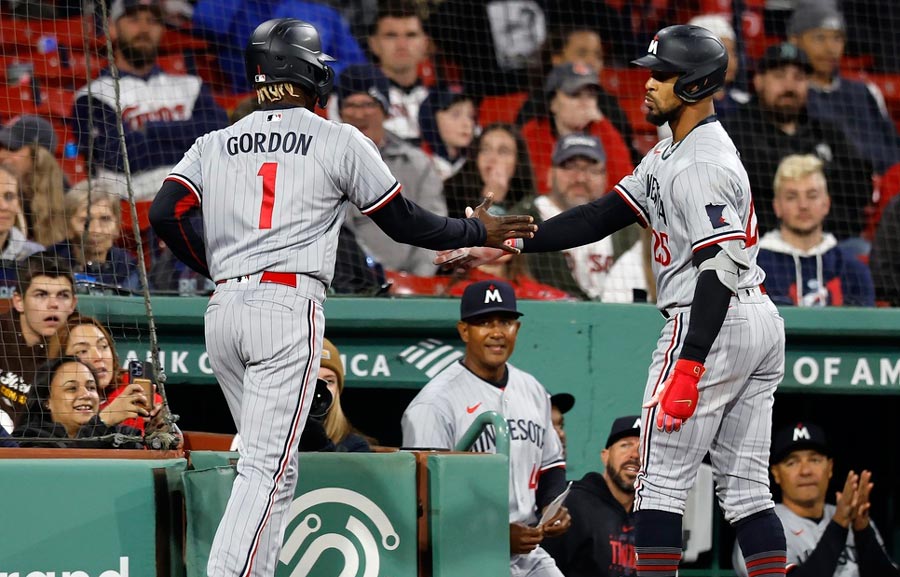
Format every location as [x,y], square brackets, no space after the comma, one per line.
[172,215]
[575,227]
[405,221]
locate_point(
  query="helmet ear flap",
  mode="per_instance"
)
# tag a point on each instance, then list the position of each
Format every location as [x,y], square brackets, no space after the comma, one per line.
[324,85]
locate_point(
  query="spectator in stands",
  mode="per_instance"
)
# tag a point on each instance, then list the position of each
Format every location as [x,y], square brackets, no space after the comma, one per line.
[578,176]
[804,265]
[26,146]
[601,539]
[560,404]
[63,411]
[162,113]
[400,45]
[501,166]
[857,107]
[576,44]
[776,124]
[491,44]
[571,91]
[88,340]
[447,121]
[885,259]
[363,105]
[13,244]
[43,300]
[820,542]
[94,213]
[227,25]
[730,97]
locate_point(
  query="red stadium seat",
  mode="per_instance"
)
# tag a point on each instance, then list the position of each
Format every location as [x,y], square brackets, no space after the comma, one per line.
[15,101]
[57,102]
[405,284]
[627,82]
[502,108]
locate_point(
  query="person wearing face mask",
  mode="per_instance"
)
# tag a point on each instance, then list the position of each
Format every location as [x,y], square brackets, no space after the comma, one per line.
[64,411]
[601,540]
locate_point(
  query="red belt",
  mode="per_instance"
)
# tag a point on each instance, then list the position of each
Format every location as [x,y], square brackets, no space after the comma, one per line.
[283,278]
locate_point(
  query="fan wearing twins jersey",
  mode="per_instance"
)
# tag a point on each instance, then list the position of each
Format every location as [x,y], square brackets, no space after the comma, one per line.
[720,356]
[257,207]
[484,381]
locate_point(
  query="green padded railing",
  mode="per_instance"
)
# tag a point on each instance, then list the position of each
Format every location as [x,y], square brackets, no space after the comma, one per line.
[501,430]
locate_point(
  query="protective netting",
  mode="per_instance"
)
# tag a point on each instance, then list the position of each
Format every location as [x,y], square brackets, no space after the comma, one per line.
[533,101]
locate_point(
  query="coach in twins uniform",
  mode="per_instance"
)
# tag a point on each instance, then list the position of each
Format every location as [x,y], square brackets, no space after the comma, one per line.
[721,353]
[272,190]
[484,381]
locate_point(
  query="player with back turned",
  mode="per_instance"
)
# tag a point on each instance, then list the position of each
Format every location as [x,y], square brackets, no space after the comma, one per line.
[257,207]
[720,357]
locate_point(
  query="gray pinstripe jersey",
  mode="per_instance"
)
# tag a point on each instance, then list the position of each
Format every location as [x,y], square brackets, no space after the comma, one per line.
[693,194]
[803,535]
[445,408]
[273,189]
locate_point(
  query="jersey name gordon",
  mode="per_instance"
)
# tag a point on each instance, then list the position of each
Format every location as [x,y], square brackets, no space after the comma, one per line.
[260,142]
[655,198]
[519,430]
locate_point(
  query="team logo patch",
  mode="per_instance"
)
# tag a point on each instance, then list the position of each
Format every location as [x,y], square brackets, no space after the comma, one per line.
[259,78]
[714,212]
[274,117]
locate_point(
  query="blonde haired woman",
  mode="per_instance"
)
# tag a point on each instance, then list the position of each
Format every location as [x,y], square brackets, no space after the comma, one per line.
[340,431]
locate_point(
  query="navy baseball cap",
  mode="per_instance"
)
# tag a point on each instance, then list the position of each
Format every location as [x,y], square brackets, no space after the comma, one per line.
[814,17]
[562,401]
[488,296]
[363,79]
[798,437]
[572,145]
[28,129]
[622,427]
[784,54]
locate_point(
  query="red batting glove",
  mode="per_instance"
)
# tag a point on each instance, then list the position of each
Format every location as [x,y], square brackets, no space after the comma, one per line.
[678,398]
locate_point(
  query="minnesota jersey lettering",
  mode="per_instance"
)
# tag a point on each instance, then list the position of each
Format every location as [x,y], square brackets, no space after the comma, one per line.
[261,143]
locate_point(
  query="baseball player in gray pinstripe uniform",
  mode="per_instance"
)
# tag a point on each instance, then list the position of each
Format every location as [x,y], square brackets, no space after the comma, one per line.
[484,381]
[257,207]
[721,354]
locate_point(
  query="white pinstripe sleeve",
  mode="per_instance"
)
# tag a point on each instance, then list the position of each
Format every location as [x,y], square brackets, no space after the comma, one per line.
[369,182]
[707,197]
[425,425]
[189,171]
[633,190]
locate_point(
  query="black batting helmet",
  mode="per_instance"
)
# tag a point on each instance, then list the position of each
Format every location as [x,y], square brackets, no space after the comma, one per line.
[289,50]
[695,54]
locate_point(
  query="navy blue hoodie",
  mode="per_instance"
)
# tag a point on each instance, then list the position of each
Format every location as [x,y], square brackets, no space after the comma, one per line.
[822,276]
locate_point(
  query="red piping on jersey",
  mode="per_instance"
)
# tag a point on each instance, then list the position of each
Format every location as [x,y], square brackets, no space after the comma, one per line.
[289,448]
[630,202]
[717,240]
[185,183]
[379,204]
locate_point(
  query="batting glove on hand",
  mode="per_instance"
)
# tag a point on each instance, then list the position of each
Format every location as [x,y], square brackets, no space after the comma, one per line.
[678,398]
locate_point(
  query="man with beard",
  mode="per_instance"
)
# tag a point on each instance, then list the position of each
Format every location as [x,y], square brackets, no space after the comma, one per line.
[600,542]
[776,123]
[804,265]
[162,114]
[43,300]
[712,378]
[578,176]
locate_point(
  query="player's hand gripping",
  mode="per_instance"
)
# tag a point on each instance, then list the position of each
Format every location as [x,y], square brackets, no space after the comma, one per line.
[678,397]
[558,524]
[502,228]
[128,405]
[524,539]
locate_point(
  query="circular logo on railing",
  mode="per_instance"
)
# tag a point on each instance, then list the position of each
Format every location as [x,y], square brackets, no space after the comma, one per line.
[345,540]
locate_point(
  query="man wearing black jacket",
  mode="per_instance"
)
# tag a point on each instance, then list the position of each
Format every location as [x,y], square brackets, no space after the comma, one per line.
[823,540]
[600,542]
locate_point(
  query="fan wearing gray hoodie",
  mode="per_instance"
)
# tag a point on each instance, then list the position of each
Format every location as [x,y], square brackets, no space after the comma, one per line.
[804,265]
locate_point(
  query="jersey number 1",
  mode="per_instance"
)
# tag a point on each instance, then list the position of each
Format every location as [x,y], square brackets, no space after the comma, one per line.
[268,171]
